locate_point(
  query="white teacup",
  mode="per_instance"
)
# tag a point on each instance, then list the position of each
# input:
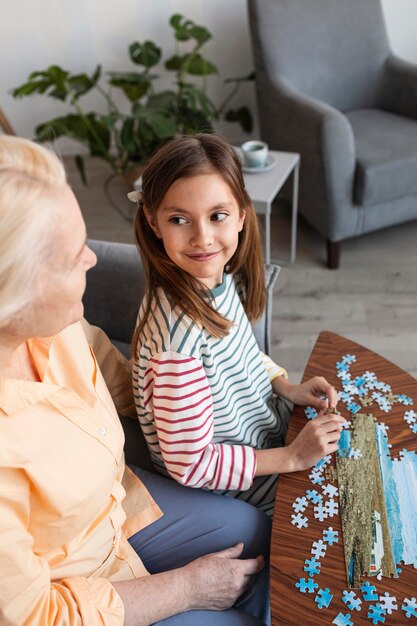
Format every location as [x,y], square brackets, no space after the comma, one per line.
[255,153]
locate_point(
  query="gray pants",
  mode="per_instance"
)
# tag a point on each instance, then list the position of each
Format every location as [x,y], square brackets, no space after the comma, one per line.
[197,522]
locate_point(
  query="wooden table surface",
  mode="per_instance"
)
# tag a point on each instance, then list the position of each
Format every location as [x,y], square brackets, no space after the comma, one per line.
[290,545]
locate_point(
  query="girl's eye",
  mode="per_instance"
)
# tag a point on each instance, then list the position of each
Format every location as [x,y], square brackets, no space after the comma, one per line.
[177,219]
[218,217]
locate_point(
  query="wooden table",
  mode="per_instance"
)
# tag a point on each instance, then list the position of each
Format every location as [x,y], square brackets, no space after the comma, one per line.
[290,545]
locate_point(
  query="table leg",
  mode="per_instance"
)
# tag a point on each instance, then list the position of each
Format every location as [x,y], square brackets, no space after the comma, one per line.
[267,250]
[294,215]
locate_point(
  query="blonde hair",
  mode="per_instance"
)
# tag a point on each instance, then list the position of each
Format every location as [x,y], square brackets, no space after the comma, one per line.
[29,174]
[185,157]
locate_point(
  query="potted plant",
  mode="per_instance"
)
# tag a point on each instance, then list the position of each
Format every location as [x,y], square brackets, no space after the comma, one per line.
[126,139]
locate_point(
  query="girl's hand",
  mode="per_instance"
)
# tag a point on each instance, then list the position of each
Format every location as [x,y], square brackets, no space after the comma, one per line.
[309,393]
[318,438]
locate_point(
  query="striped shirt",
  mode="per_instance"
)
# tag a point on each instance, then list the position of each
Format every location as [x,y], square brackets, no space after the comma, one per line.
[204,403]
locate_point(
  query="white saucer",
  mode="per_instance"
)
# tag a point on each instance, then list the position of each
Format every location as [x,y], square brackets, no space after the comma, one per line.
[270,163]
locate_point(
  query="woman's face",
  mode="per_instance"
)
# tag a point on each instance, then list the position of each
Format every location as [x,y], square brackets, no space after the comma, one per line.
[199,222]
[63,279]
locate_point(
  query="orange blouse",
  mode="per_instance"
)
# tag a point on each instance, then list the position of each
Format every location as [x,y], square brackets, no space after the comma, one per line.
[63,529]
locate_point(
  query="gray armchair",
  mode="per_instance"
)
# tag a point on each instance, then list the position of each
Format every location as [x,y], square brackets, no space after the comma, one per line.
[329,88]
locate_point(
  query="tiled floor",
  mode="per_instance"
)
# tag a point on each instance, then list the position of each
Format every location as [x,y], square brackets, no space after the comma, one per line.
[371,299]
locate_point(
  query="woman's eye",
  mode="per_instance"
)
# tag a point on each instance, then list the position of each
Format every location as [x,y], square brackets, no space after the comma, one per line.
[177,219]
[218,217]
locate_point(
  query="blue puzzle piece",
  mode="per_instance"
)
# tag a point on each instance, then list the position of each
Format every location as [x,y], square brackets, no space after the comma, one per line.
[341,366]
[310,412]
[409,607]
[306,586]
[323,462]
[330,536]
[316,478]
[368,592]
[312,566]
[314,496]
[389,603]
[359,381]
[345,397]
[342,620]
[353,408]
[376,613]
[404,399]
[323,598]
[351,600]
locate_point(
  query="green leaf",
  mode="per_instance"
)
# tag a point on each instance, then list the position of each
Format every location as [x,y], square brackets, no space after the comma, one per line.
[97,74]
[29,88]
[39,82]
[57,82]
[174,62]
[79,162]
[162,125]
[200,34]
[243,116]
[191,121]
[164,100]
[127,136]
[57,74]
[187,29]
[81,83]
[197,65]
[99,137]
[111,119]
[68,125]
[147,53]
[59,93]
[181,30]
[133,84]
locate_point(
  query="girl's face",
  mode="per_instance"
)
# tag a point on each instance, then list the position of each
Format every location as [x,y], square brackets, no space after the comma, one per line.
[199,222]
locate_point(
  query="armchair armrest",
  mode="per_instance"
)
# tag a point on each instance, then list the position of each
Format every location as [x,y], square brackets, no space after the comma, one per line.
[399,87]
[324,138]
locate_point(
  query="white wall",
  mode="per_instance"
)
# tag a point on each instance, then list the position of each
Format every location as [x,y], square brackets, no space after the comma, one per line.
[78,34]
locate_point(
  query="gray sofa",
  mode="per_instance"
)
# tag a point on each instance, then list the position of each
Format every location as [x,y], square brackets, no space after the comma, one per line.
[115,288]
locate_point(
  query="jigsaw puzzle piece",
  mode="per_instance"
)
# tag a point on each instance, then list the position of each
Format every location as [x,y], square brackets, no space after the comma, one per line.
[409,607]
[352,601]
[342,620]
[323,598]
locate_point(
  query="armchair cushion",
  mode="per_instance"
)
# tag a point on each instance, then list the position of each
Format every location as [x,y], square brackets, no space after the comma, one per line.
[386,154]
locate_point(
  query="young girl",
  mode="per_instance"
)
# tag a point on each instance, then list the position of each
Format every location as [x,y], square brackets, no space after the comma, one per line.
[213,408]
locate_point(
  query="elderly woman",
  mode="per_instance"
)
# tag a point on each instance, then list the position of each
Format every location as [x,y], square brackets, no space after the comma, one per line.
[84,540]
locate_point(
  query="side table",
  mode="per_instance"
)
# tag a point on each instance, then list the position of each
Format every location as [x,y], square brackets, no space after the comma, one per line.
[263,187]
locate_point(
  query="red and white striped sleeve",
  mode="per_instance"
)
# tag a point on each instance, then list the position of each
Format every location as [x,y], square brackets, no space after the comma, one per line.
[177,392]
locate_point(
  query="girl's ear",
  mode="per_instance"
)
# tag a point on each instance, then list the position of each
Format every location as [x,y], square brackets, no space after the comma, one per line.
[152,222]
[241,220]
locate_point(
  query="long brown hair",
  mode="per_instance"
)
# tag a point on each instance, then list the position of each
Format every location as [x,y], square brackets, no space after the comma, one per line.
[185,157]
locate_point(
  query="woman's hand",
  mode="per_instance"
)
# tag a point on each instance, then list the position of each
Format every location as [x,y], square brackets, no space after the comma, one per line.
[212,582]
[318,438]
[217,580]
[310,393]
